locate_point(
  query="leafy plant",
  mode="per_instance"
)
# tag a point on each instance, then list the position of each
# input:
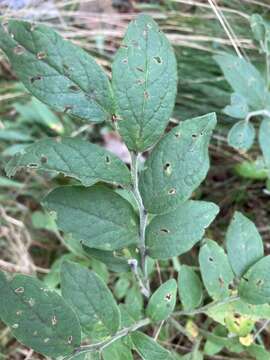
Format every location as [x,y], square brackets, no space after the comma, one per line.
[150,217]
[251,96]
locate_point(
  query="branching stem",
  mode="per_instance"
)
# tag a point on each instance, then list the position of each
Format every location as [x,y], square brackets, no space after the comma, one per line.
[103,344]
[143,221]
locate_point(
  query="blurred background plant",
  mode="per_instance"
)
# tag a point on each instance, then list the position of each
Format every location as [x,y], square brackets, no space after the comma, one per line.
[29,240]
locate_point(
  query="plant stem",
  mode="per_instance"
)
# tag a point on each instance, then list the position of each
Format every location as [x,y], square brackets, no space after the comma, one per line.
[103,344]
[207,307]
[143,221]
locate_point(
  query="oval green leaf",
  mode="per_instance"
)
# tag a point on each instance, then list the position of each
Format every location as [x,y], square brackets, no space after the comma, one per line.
[144,78]
[190,288]
[241,136]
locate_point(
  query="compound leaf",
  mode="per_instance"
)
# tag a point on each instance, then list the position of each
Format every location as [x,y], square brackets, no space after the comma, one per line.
[190,288]
[177,165]
[216,272]
[264,136]
[244,78]
[91,299]
[86,162]
[149,349]
[176,232]
[144,78]
[162,302]
[254,286]
[244,244]
[38,317]
[57,72]
[96,216]
[241,136]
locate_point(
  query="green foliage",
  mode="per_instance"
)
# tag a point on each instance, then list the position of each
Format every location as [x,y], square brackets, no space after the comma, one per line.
[96,216]
[144,83]
[139,215]
[90,298]
[255,284]
[69,81]
[178,231]
[242,135]
[38,317]
[216,271]
[149,349]
[244,244]
[162,302]
[177,165]
[75,158]
[190,288]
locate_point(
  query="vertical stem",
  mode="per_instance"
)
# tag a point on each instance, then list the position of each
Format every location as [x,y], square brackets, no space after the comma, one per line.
[142,219]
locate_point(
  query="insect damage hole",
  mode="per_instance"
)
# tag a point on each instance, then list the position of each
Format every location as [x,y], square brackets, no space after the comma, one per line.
[43,159]
[19,290]
[157,59]
[172,191]
[164,231]
[41,55]
[35,78]
[168,297]
[210,259]
[259,283]
[74,88]
[19,50]
[107,160]
[167,168]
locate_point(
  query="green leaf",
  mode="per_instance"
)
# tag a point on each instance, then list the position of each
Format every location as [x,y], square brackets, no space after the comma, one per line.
[194,355]
[244,244]
[118,350]
[86,162]
[238,108]
[178,231]
[149,349]
[258,27]
[90,298]
[109,258]
[264,136]
[254,286]
[38,317]
[215,269]
[57,72]
[220,312]
[259,352]
[244,78]
[162,302]
[252,169]
[177,165]
[144,78]
[190,288]
[96,216]
[241,136]
[121,287]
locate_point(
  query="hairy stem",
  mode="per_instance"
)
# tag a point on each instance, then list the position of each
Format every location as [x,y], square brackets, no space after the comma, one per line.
[103,344]
[143,220]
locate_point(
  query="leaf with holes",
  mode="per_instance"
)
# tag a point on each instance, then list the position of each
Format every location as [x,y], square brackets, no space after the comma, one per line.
[38,317]
[244,78]
[148,348]
[177,165]
[216,272]
[96,216]
[113,261]
[90,298]
[244,244]
[86,162]
[254,287]
[238,107]
[241,136]
[264,136]
[144,78]
[162,302]
[176,232]
[190,288]
[57,72]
